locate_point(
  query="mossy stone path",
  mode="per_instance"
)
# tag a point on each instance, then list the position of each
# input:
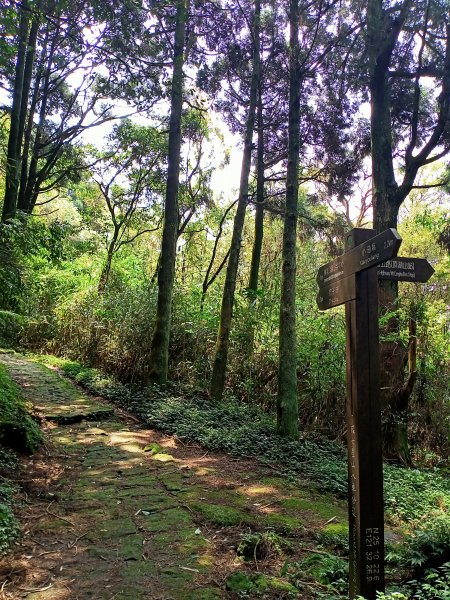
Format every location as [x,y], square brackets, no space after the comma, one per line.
[117,511]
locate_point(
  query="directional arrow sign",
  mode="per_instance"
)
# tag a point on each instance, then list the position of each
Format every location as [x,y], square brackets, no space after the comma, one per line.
[336,293]
[406,269]
[376,250]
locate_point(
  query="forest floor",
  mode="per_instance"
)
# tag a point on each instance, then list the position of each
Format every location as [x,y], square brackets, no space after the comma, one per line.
[113,510]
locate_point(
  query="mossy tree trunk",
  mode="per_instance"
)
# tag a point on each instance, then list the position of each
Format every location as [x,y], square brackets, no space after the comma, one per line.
[159,357]
[287,400]
[226,314]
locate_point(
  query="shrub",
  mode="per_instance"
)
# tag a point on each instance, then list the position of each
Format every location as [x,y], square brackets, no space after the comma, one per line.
[11,326]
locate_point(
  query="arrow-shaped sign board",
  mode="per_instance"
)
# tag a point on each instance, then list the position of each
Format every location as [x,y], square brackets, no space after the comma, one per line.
[378,249]
[336,293]
[401,268]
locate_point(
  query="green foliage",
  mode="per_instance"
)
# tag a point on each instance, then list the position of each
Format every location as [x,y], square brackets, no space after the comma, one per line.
[9,528]
[17,429]
[10,265]
[434,585]
[11,326]
[425,547]
[111,330]
[329,570]
[410,494]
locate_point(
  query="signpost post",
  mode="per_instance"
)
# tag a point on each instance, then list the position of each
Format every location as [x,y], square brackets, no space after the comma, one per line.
[350,279]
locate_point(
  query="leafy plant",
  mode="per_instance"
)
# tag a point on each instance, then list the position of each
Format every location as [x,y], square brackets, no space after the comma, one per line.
[327,569]
[261,545]
[423,548]
[9,528]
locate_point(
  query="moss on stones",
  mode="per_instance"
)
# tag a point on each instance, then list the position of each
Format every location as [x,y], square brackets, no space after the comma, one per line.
[282,523]
[220,515]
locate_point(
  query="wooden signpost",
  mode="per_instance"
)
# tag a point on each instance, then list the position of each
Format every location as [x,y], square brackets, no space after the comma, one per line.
[350,279]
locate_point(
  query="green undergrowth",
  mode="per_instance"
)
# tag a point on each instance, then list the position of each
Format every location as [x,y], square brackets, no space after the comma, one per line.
[416,501]
[18,430]
[11,326]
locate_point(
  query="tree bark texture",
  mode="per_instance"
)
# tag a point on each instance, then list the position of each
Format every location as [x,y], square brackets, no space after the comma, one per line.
[15,137]
[287,400]
[226,314]
[159,357]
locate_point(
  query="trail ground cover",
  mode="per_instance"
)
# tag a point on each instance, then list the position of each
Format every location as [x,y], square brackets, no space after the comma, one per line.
[112,508]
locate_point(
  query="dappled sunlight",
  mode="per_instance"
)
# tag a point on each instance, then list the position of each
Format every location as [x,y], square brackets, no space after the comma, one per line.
[269,509]
[169,443]
[258,490]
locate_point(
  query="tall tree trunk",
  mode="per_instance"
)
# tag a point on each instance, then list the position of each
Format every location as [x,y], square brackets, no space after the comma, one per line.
[16,130]
[287,400]
[159,357]
[259,206]
[382,35]
[22,203]
[31,191]
[226,314]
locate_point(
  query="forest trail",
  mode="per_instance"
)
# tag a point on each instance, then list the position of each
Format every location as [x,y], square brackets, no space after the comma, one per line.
[114,510]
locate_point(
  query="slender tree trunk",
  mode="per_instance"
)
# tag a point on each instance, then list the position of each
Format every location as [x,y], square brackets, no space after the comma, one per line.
[253,282]
[287,400]
[226,314]
[209,279]
[159,357]
[259,206]
[15,137]
[103,281]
